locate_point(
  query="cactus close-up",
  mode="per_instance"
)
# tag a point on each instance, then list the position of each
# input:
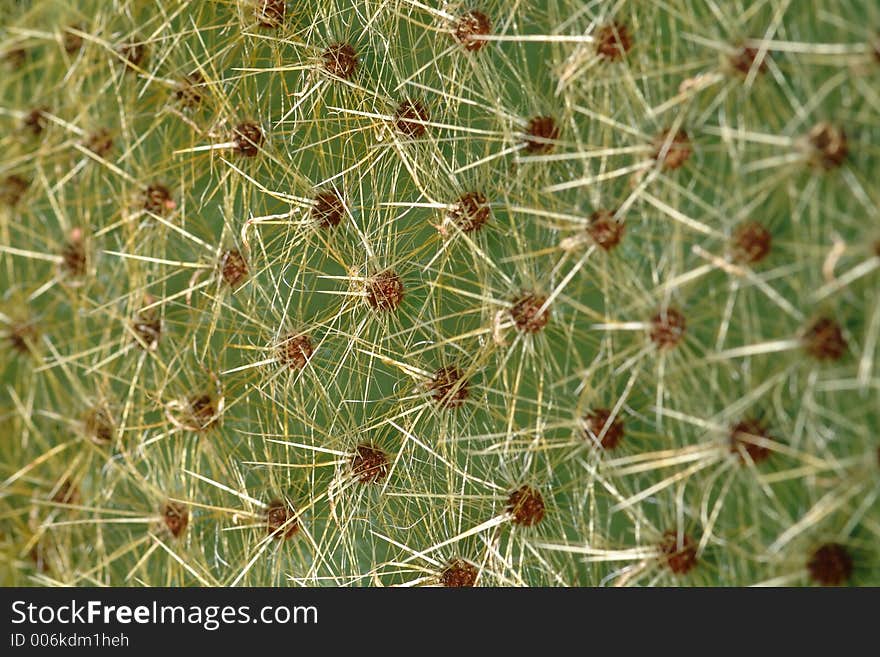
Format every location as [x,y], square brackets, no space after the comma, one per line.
[435,293]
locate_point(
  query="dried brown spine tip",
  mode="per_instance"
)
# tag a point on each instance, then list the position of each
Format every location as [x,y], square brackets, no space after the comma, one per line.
[470,212]
[176,517]
[527,313]
[469,27]
[459,573]
[681,557]
[70,41]
[67,492]
[668,328]
[15,58]
[12,189]
[270,13]
[190,90]
[281,520]
[824,340]
[99,426]
[74,259]
[328,209]
[449,386]
[613,41]
[147,325]
[295,350]
[23,336]
[234,268]
[541,133]
[674,149]
[340,60]
[828,146]
[596,421]
[35,121]
[526,506]
[248,138]
[385,290]
[410,117]
[750,242]
[830,565]
[744,437]
[99,142]
[133,53]
[743,60]
[605,230]
[157,199]
[369,464]
[203,413]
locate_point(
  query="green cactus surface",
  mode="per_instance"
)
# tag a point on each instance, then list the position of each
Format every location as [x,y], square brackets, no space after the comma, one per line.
[429,293]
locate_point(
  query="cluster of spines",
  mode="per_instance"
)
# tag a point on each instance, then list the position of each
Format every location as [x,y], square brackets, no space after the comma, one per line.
[406,295]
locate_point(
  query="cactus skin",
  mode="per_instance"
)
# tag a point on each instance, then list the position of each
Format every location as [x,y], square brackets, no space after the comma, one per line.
[391,293]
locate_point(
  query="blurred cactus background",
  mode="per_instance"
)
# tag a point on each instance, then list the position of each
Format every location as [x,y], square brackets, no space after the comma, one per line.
[415,292]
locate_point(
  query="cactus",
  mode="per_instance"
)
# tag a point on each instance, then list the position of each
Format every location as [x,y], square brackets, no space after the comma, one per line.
[394,293]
